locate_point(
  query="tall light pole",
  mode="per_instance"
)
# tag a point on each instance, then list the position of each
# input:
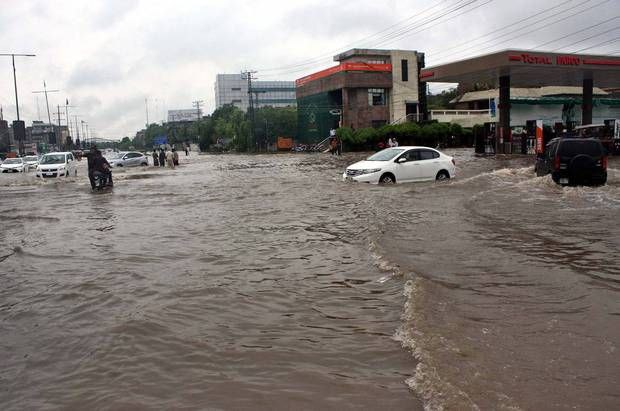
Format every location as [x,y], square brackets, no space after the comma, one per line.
[45,91]
[18,126]
[67,106]
[15,76]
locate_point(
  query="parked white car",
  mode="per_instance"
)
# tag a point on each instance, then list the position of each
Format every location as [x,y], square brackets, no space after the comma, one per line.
[13,165]
[129,159]
[57,165]
[31,161]
[402,165]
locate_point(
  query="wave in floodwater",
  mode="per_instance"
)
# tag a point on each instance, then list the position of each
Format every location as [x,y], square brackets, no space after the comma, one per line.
[265,282]
[512,297]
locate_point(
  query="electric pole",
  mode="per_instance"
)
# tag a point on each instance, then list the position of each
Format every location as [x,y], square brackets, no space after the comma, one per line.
[45,91]
[77,131]
[59,134]
[146,106]
[197,105]
[67,106]
[248,75]
[17,125]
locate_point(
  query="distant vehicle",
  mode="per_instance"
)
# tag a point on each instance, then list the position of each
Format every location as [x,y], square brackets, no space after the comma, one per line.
[402,165]
[574,161]
[31,161]
[13,165]
[57,165]
[609,135]
[129,159]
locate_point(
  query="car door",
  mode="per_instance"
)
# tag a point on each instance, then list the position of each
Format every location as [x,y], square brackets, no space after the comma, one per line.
[429,164]
[408,166]
[135,159]
[127,160]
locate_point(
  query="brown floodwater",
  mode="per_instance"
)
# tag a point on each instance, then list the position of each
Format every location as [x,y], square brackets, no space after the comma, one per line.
[265,282]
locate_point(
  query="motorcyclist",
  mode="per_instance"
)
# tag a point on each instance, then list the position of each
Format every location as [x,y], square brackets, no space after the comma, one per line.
[101,165]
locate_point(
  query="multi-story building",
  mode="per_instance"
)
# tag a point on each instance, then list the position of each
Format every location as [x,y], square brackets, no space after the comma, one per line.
[233,89]
[368,88]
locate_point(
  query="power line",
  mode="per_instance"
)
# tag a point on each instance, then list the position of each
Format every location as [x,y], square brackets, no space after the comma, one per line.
[576,32]
[589,38]
[409,33]
[612,41]
[402,32]
[491,46]
[504,27]
[328,55]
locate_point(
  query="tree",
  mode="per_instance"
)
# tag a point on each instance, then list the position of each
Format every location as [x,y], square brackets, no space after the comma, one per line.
[441,100]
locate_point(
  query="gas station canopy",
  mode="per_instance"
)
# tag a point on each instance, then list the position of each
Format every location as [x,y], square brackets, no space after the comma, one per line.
[529,69]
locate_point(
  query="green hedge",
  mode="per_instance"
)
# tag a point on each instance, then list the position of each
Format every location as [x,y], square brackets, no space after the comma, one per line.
[429,134]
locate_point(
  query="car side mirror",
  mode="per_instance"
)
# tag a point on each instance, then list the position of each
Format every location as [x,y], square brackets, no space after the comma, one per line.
[401,160]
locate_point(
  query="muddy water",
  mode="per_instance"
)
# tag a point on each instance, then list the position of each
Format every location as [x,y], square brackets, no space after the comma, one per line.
[264,282]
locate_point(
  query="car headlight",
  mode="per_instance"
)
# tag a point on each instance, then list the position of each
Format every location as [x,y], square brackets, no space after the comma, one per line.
[370,170]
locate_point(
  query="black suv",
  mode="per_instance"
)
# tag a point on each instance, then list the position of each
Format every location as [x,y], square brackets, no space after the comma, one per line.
[574,161]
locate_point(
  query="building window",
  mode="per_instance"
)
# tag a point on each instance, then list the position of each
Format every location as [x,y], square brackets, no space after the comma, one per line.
[376,97]
[236,101]
[376,61]
[236,89]
[404,67]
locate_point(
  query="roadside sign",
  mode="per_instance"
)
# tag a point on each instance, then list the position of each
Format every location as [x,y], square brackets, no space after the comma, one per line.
[540,142]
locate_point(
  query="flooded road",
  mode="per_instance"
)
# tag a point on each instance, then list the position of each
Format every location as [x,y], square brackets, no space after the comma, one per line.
[264,282]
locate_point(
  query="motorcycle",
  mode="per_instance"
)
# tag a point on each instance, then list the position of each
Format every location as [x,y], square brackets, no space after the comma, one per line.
[102,181]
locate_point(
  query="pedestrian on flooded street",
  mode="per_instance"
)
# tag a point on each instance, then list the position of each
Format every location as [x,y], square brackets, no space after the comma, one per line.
[170,159]
[155,158]
[186,151]
[175,157]
[162,157]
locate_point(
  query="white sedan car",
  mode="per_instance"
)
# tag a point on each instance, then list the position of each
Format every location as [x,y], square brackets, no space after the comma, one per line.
[402,165]
[13,165]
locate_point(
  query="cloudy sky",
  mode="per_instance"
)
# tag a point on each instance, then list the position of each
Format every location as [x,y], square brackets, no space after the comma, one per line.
[108,56]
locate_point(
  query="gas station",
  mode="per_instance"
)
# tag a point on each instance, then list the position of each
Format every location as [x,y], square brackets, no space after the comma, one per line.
[523,68]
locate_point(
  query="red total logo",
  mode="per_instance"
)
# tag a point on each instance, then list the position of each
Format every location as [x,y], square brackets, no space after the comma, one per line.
[529,59]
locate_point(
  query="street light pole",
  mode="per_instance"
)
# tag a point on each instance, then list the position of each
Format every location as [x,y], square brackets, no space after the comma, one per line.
[16,98]
[45,91]
[15,76]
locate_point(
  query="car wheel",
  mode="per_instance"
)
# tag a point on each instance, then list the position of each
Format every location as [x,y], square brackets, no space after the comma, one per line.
[387,178]
[144,164]
[442,175]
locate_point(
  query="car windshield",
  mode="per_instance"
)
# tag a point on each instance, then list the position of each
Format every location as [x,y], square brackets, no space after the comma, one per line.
[13,161]
[385,155]
[53,159]
[113,155]
[576,147]
[30,158]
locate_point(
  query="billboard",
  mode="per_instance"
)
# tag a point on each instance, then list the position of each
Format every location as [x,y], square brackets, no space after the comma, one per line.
[184,115]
